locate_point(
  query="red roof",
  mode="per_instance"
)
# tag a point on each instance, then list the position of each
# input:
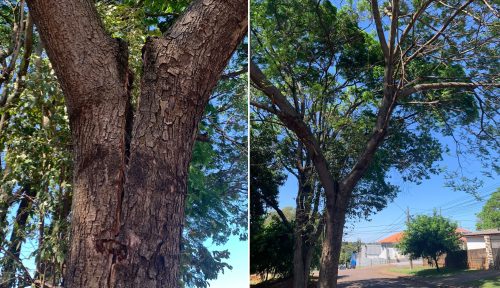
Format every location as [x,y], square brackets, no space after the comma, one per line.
[395,238]
[462,231]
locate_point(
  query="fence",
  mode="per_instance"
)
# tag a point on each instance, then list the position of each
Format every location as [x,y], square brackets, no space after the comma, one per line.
[368,262]
[476,258]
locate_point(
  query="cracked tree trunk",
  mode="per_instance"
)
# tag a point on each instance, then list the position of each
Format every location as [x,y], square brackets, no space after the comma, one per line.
[130,186]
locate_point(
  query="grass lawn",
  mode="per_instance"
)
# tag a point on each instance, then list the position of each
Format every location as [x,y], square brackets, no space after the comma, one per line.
[486,283]
[429,271]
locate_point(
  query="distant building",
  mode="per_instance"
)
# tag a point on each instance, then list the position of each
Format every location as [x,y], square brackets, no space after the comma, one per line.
[385,251]
[389,250]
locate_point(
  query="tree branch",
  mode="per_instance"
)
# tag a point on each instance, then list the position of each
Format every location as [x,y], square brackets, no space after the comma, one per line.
[394,28]
[26,272]
[380,29]
[274,205]
[495,12]
[264,107]
[293,121]
[414,20]
[434,38]
[443,85]
[234,73]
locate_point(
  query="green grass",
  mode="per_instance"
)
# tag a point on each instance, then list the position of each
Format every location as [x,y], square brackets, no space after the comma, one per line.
[429,271]
[486,283]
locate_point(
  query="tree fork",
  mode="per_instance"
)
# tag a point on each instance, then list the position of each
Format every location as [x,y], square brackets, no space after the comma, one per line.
[128,209]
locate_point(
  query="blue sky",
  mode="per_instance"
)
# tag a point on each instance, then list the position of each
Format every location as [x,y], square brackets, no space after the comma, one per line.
[420,199]
[238,276]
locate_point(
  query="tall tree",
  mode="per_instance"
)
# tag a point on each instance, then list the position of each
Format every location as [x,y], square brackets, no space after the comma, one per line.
[430,237]
[489,217]
[361,107]
[124,170]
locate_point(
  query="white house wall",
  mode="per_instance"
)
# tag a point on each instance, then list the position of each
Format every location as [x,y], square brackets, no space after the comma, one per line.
[476,242]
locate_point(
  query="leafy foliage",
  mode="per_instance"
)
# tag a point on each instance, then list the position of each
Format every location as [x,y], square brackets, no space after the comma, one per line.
[429,237]
[266,175]
[371,99]
[271,249]
[489,217]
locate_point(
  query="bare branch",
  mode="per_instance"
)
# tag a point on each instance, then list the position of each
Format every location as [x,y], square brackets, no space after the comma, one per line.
[436,36]
[443,85]
[495,12]
[414,19]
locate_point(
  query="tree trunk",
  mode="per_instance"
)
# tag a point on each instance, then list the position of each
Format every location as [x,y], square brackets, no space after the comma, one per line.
[436,261]
[302,256]
[127,215]
[336,205]
[304,240]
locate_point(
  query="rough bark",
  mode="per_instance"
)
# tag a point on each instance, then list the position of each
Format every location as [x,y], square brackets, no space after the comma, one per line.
[181,69]
[336,206]
[127,215]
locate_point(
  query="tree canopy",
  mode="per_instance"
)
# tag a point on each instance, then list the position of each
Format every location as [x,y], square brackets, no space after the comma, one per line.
[362,89]
[489,217]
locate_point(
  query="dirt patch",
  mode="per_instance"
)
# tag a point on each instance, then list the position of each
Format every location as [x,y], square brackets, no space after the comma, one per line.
[382,277]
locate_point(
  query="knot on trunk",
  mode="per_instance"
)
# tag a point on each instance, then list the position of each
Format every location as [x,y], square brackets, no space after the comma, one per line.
[111,246]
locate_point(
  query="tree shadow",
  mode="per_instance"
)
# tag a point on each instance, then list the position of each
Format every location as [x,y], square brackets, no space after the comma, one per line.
[441,273]
[384,282]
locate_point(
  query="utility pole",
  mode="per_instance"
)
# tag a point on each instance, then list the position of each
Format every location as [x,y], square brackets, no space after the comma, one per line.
[407,224]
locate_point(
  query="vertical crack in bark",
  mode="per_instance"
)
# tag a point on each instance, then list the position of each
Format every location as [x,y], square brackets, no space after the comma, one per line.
[126,77]
[118,251]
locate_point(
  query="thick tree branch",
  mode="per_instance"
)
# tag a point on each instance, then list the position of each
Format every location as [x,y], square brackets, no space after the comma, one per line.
[233,74]
[375,140]
[293,121]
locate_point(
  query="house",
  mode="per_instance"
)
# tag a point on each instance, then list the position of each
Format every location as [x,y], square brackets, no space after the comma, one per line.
[390,253]
[385,251]
[382,252]
[483,249]
[389,250]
